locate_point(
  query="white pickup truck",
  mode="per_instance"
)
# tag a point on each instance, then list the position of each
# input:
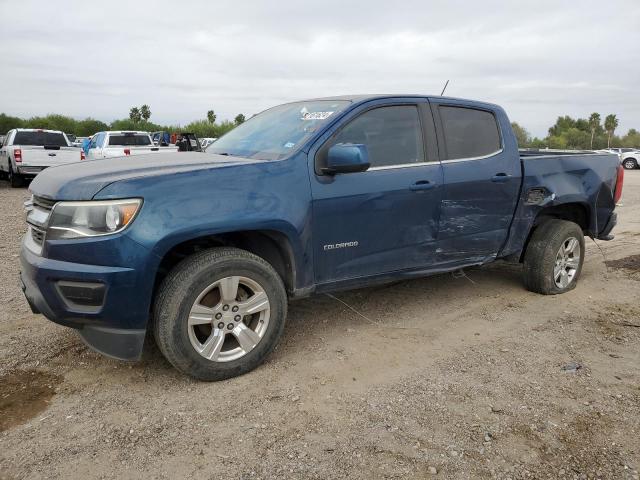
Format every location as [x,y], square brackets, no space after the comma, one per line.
[121,144]
[27,151]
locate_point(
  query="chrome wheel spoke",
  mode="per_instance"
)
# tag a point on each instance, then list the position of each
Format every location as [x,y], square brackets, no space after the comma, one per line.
[564,278]
[573,263]
[247,338]
[213,345]
[256,303]
[557,270]
[200,315]
[570,246]
[238,299]
[229,288]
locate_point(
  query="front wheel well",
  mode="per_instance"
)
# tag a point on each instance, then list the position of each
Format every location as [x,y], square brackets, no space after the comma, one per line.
[272,246]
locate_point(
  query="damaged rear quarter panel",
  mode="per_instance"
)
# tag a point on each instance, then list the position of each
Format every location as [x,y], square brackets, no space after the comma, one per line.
[588,180]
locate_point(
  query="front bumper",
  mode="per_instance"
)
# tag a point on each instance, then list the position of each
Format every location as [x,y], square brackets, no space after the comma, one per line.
[107,305]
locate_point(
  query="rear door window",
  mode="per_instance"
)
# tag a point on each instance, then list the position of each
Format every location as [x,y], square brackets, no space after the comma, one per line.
[127,140]
[40,139]
[469,132]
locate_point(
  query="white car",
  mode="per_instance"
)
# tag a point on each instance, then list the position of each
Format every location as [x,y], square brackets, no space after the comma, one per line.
[28,151]
[120,144]
[631,160]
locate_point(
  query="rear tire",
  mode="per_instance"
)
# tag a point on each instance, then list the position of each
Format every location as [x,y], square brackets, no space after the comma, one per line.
[629,163]
[15,180]
[191,311]
[554,257]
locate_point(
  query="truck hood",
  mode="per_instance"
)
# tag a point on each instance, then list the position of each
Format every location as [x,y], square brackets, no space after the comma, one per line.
[83,180]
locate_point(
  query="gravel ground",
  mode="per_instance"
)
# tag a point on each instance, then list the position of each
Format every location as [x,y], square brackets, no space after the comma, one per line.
[447,377]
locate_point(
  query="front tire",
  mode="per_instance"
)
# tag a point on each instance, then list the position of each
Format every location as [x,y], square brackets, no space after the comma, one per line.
[629,163]
[554,257]
[219,313]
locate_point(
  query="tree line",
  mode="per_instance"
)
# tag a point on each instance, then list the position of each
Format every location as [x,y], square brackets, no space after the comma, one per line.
[566,133]
[580,134]
[139,119]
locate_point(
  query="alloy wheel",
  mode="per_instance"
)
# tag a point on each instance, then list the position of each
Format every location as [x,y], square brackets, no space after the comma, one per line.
[567,262]
[229,318]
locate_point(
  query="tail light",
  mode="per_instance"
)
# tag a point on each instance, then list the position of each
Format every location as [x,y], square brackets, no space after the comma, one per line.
[82,155]
[619,182]
[127,151]
[17,155]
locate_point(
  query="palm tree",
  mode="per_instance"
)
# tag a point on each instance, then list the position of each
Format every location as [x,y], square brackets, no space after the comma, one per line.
[145,112]
[594,124]
[211,116]
[610,125]
[134,114]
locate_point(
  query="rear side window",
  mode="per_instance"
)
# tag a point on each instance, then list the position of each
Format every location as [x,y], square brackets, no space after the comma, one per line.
[129,140]
[40,139]
[468,132]
[393,135]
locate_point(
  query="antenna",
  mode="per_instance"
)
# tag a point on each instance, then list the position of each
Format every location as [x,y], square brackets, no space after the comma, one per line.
[445,87]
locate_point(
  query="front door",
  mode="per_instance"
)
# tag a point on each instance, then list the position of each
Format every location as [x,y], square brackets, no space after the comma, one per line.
[386,218]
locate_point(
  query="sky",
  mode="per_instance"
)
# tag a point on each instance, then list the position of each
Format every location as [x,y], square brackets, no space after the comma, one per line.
[538,59]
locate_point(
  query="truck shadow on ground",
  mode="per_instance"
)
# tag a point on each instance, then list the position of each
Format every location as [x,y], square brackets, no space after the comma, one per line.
[313,320]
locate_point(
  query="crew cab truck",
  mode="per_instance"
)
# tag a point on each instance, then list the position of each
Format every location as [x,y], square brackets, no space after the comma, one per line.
[26,152]
[123,144]
[205,249]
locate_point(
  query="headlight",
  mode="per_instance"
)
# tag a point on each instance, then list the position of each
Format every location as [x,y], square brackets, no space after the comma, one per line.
[91,219]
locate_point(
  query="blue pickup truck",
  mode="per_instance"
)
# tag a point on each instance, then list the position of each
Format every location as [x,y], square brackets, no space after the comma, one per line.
[205,249]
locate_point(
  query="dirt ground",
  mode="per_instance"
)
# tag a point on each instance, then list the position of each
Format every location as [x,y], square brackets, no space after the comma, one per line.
[446,377]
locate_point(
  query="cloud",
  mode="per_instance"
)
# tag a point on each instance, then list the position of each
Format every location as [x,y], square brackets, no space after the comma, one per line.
[539,59]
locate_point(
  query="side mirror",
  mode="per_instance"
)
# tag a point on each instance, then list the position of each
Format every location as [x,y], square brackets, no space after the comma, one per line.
[347,158]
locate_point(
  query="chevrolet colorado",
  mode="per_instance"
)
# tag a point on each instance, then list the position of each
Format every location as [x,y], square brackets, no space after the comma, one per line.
[205,249]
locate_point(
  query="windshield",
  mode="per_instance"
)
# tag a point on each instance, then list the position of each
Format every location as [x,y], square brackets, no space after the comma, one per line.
[39,139]
[275,133]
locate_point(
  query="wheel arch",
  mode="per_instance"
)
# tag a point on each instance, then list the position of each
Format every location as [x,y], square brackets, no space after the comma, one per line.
[271,245]
[576,212]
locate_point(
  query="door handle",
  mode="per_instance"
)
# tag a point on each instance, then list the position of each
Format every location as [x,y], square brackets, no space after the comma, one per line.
[500,178]
[422,185]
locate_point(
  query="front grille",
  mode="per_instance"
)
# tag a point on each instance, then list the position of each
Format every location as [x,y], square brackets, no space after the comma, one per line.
[37,235]
[43,203]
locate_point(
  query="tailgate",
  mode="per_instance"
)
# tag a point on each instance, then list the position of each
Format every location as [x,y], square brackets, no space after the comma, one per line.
[37,158]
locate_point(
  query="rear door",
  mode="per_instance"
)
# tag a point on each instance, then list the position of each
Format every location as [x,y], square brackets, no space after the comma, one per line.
[386,218]
[482,175]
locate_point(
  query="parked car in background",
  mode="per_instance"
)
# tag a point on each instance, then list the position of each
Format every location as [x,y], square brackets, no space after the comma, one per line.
[78,141]
[619,151]
[120,144]
[631,160]
[205,249]
[28,151]
[184,141]
[1,140]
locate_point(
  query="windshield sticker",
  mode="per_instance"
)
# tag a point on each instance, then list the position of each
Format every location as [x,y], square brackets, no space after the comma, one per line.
[316,115]
[289,145]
